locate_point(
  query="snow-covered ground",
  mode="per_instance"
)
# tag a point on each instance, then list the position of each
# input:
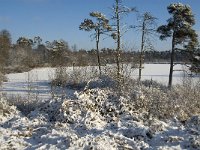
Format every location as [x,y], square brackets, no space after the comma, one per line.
[95,119]
[37,81]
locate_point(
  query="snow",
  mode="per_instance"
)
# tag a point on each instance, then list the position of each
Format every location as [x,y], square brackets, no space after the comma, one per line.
[160,73]
[95,119]
[92,118]
[37,80]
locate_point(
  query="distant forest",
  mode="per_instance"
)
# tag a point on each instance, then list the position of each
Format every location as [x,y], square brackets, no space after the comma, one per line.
[30,53]
[41,55]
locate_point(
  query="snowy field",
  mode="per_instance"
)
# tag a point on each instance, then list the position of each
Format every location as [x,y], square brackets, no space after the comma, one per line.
[96,118]
[37,81]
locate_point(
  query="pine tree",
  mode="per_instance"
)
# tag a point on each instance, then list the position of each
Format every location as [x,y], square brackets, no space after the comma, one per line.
[100,27]
[179,28]
[57,50]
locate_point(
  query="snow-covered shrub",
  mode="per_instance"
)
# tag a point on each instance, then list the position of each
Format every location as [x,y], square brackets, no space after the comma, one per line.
[24,104]
[101,82]
[49,110]
[93,101]
[6,110]
[181,101]
[60,77]
[188,100]
[155,101]
[79,77]
[125,73]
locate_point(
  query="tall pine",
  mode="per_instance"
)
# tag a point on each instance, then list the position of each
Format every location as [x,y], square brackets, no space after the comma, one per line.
[179,28]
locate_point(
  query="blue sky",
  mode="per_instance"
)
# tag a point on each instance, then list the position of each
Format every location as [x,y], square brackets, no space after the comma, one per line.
[60,19]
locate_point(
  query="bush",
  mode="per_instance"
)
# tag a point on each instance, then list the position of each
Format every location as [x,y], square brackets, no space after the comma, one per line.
[187,97]
[24,104]
[77,78]
[2,78]
[182,101]
[60,77]
[80,76]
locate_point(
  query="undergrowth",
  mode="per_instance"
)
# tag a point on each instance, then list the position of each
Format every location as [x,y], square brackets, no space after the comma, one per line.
[150,97]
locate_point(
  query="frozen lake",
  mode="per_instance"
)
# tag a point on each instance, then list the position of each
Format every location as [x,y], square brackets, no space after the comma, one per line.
[160,73]
[37,80]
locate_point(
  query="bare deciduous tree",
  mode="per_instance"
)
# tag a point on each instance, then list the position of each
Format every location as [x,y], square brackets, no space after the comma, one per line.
[147,27]
[118,11]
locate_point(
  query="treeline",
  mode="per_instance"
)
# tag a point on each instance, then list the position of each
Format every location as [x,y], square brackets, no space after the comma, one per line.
[107,56]
[30,53]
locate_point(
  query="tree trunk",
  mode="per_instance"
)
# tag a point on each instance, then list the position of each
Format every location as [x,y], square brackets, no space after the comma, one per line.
[141,51]
[97,50]
[172,62]
[118,39]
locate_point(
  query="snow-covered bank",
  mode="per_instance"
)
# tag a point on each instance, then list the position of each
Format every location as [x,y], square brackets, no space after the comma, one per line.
[95,119]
